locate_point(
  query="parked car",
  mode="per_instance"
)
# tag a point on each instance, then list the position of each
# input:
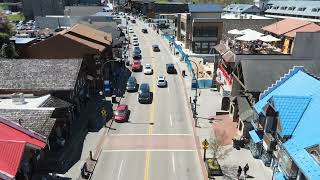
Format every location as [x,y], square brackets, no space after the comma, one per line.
[134,38]
[131,30]
[162,82]
[136,66]
[132,84]
[144,30]
[171,69]
[147,69]
[122,113]
[133,21]
[136,49]
[155,48]
[135,43]
[136,55]
[144,93]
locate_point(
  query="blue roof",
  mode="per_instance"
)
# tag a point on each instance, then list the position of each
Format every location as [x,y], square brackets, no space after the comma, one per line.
[299,83]
[242,8]
[205,8]
[279,176]
[292,8]
[253,134]
[290,109]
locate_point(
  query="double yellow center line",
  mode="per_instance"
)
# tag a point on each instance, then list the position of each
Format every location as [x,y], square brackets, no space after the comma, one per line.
[150,130]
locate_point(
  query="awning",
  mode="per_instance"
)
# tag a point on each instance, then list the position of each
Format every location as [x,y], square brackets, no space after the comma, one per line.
[254,136]
[279,176]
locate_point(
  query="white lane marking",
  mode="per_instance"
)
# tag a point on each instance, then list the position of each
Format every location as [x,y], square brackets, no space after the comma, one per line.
[168,89]
[173,166]
[120,169]
[155,150]
[150,135]
[170,117]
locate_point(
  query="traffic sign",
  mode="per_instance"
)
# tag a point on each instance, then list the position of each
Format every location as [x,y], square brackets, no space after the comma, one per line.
[205,144]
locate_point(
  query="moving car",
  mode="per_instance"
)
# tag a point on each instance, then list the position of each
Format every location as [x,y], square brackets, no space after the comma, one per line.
[147,69]
[171,69]
[132,84]
[133,21]
[144,93]
[135,43]
[122,113]
[144,30]
[136,66]
[134,38]
[162,82]
[131,30]
[155,48]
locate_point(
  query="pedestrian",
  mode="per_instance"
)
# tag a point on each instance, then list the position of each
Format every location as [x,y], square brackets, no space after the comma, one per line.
[239,172]
[245,170]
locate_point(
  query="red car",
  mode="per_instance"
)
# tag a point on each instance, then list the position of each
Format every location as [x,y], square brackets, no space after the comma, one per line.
[136,66]
[121,113]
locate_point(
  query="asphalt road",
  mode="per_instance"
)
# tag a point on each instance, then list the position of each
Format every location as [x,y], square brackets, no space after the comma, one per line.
[157,142]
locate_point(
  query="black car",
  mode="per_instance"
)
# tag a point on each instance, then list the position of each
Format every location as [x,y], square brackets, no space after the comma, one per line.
[155,48]
[133,21]
[132,84]
[144,93]
[144,30]
[171,69]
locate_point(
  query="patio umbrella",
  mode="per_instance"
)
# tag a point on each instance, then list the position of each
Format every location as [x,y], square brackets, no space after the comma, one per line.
[251,32]
[268,38]
[235,32]
[248,37]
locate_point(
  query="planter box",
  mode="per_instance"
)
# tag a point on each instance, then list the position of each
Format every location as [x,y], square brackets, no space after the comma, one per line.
[213,167]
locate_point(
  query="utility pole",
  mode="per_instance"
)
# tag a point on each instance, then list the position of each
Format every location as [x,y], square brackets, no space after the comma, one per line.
[196,96]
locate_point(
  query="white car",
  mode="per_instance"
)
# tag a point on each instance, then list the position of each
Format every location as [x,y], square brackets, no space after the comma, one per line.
[135,38]
[131,30]
[134,35]
[147,69]
[162,82]
[135,43]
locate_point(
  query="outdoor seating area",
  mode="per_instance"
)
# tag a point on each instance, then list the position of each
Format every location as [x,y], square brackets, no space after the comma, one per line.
[252,42]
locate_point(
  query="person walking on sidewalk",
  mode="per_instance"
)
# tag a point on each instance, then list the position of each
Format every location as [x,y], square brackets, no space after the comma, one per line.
[245,170]
[239,172]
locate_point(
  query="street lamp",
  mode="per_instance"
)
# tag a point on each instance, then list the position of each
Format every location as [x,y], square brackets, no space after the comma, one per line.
[196,95]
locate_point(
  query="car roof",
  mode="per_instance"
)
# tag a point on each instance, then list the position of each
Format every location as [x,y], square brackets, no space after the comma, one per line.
[122,107]
[144,86]
[148,65]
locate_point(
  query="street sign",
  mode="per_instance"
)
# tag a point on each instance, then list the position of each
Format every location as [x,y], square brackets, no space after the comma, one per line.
[104,112]
[205,144]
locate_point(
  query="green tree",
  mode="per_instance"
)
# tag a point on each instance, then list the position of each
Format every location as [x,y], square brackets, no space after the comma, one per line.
[8,51]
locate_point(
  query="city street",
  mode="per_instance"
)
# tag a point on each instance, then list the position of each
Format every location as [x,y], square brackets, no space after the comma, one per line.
[158,141]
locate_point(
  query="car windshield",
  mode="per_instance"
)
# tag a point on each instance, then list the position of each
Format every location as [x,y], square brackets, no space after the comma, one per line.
[120,112]
[161,80]
[144,94]
[148,67]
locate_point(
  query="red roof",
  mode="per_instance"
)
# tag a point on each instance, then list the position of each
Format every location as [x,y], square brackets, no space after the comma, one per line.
[285,26]
[307,28]
[121,107]
[12,134]
[10,157]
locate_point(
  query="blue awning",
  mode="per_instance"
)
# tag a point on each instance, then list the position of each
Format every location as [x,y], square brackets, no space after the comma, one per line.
[279,176]
[254,136]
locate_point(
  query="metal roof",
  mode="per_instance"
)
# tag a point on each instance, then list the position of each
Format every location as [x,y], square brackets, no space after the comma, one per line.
[304,8]
[241,8]
[297,82]
[194,8]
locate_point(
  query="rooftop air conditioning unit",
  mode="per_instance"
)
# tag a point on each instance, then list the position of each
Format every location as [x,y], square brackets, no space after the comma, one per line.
[18,98]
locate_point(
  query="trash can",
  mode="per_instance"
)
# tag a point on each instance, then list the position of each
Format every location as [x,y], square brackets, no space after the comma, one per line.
[113,99]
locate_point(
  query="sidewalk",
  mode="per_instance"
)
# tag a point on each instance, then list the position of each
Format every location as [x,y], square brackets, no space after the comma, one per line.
[209,102]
